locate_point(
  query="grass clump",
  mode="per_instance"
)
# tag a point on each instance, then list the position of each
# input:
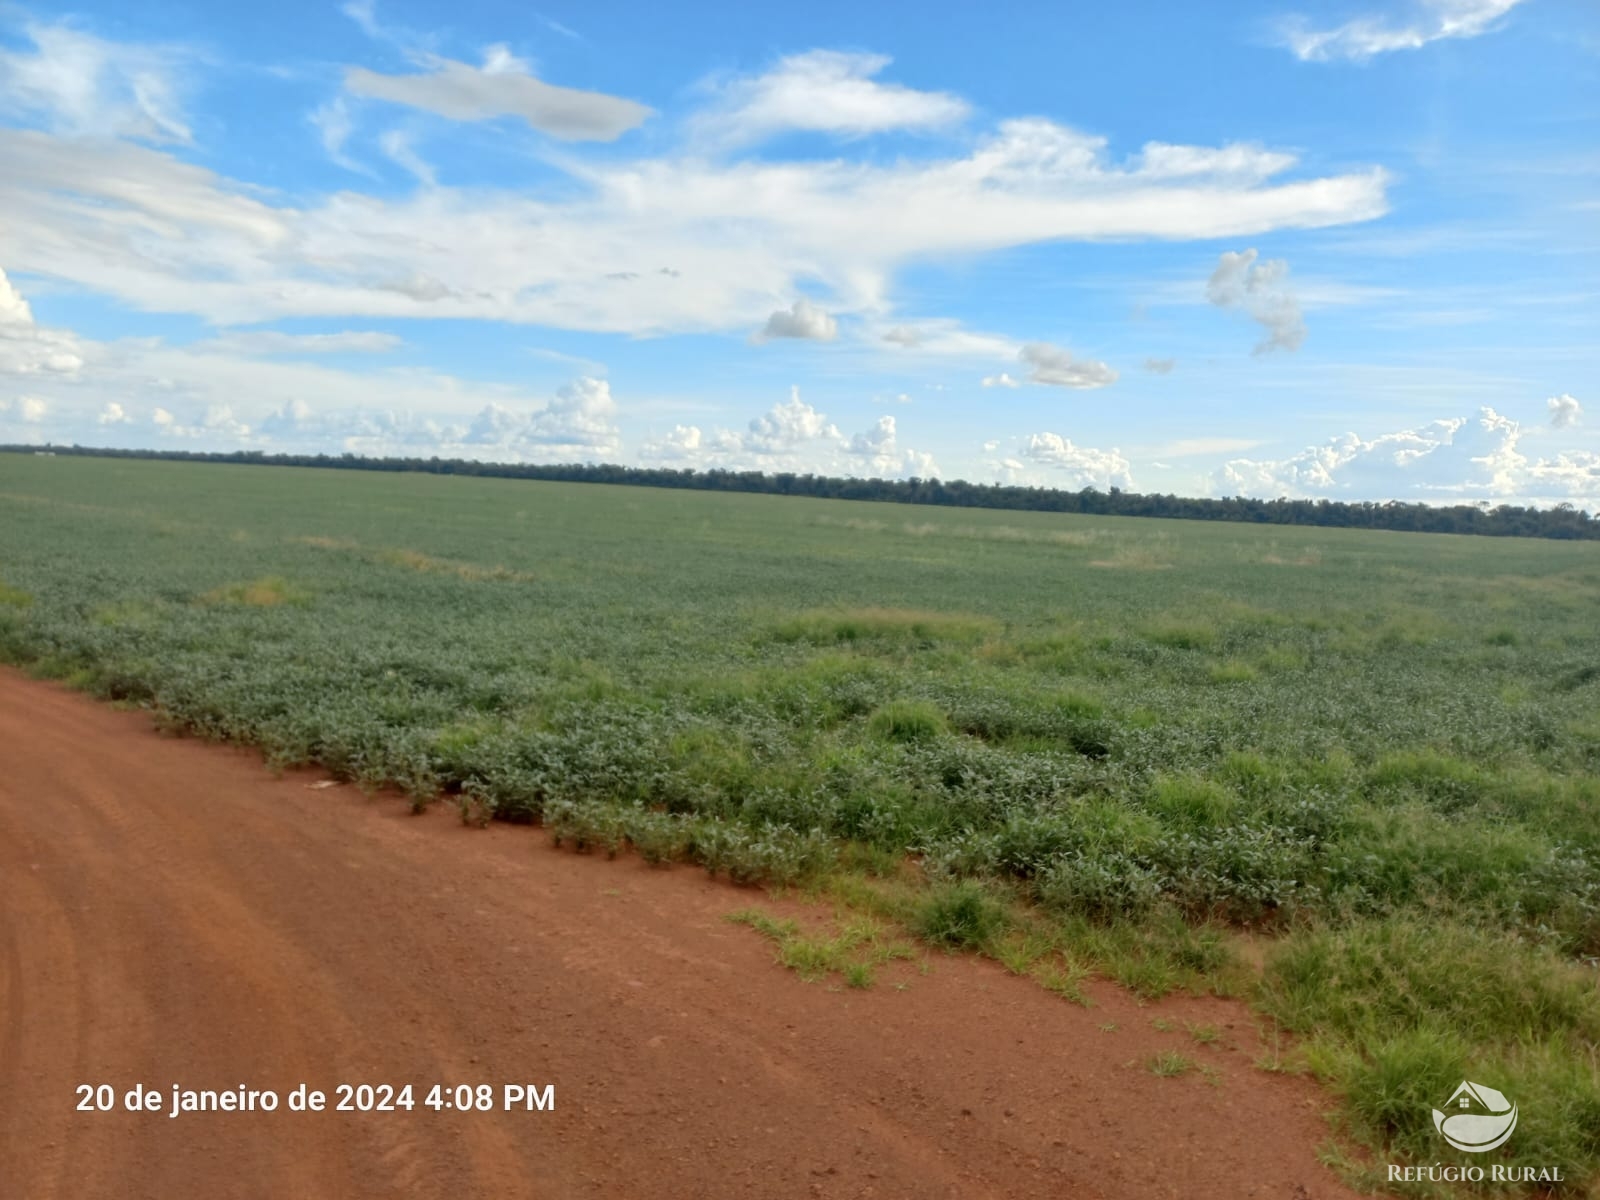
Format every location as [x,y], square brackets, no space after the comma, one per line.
[854,952]
[1435,777]
[1066,979]
[1170,1063]
[14,597]
[907,721]
[962,915]
[1232,671]
[1396,1013]
[1181,635]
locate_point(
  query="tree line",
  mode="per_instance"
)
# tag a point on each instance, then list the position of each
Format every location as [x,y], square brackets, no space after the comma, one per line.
[1505,520]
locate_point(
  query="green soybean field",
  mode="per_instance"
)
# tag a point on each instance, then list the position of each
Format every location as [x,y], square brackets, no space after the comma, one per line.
[1350,777]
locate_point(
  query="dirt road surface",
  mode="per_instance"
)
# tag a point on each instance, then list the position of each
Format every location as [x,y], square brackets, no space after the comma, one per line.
[172,914]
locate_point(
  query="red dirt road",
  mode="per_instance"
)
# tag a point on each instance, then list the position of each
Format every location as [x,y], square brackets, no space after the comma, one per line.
[170,913]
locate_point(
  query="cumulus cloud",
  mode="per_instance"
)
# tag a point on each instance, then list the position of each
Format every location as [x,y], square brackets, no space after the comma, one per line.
[1260,289]
[1001,380]
[802,320]
[1565,411]
[1056,367]
[1160,366]
[294,417]
[1077,466]
[1456,459]
[80,86]
[793,436]
[877,445]
[28,349]
[580,422]
[228,392]
[823,91]
[14,309]
[29,409]
[1425,21]
[787,427]
[503,86]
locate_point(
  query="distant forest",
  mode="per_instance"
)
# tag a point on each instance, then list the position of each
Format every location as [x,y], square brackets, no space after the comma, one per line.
[1506,520]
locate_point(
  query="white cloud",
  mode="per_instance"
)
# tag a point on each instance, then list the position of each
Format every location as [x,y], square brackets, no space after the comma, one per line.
[14,309]
[1262,290]
[227,392]
[787,427]
[1054,366]
[502,87]
[295,417]
[1074,466]
[1001,380]
[793,436]
[944,337]
[876,445]
[334,125]
[823,91]
[364,13]
[1456,459]
[580,422]
[709,243]
[80,86]
[683,442]
[25,347]
[803,320]
[1364,37]
[1160,366]
[271,341]
[396,146]
[1565,411]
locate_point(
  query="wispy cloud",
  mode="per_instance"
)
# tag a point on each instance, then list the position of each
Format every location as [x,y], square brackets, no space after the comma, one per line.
[709,244]
[1363,38]
[503,86]
[396,145]
[334,125]
[823,91]
[76,84]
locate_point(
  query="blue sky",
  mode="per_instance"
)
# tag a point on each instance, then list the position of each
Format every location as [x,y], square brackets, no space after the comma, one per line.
[1347,248]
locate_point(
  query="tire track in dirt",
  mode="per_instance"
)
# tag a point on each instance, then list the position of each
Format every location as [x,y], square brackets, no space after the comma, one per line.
[172,913]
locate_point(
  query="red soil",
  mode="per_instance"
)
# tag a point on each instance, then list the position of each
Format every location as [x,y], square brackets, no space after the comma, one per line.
[170,913]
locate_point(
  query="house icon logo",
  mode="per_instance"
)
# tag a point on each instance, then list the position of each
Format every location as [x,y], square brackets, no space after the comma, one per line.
[1476,1118]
